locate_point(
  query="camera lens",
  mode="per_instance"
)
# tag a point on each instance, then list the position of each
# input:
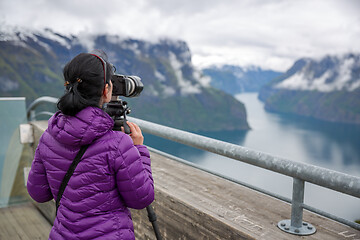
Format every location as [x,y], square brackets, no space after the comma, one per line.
[134,86]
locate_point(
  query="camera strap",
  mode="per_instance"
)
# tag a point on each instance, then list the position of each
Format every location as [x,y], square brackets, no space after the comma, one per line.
[68,174]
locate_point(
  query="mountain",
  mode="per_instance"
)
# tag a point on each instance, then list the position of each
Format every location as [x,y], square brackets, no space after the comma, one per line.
[175,93]
[326,89]
[235,79]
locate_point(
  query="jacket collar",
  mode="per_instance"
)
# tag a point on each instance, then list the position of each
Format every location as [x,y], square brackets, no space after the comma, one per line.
[81,129]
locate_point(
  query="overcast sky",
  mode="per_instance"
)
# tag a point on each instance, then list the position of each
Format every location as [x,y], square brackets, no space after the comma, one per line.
[270,34]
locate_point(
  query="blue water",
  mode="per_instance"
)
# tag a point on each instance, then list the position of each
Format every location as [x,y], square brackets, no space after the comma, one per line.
[330,145]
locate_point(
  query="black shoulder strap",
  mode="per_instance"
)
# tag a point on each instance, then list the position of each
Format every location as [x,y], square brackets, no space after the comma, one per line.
[69,174]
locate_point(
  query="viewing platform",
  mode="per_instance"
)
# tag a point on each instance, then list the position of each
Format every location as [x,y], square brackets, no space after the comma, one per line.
[190,204]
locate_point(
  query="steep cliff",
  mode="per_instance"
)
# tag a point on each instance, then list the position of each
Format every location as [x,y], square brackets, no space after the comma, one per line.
[175,94]
[326,89]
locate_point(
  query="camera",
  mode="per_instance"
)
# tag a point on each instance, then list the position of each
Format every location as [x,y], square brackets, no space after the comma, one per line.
[127,86]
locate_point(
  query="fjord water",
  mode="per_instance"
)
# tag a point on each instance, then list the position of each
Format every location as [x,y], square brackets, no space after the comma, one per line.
[329,145]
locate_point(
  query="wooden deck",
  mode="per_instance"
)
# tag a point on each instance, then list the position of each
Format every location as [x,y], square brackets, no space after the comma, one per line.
[23,222]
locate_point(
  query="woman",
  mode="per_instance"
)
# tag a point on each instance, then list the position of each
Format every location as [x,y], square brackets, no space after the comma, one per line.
[114,173]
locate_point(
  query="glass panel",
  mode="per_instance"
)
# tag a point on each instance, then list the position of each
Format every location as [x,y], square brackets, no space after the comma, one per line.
[12,159]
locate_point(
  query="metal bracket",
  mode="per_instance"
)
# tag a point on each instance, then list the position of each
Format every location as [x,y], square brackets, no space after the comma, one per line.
[305,229]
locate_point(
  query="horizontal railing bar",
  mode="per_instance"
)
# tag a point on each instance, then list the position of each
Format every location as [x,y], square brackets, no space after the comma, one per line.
[12,98]
[331,179]
[277,196]
[194,165]
[39,101]
[44,113]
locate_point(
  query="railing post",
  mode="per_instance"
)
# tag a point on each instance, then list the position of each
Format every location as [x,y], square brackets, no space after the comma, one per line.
[295,225]
[297,201]
[32,115]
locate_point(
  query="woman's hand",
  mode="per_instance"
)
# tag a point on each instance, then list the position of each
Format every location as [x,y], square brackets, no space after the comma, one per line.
[136,134]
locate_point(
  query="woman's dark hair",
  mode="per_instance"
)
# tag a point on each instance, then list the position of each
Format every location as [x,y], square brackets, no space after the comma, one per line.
[85,81]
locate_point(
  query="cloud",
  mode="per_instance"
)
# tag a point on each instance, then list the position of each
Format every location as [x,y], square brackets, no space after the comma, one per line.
[271,34]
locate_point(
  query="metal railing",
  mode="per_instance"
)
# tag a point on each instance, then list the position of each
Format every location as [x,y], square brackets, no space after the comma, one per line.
[30,111]
[300,172]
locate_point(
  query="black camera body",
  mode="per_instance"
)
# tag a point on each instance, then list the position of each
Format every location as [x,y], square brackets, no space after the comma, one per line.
[127,86]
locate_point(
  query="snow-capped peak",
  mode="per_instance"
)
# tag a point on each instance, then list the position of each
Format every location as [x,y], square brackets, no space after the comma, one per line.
[332,73]
[21,35]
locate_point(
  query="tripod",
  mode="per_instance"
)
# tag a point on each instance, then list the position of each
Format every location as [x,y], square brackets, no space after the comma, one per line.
[118,110]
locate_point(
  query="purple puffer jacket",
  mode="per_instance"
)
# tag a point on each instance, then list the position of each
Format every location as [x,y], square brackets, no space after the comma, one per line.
[112,176]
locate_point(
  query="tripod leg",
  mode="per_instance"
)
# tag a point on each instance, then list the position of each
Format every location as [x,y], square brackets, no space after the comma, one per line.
[152,219]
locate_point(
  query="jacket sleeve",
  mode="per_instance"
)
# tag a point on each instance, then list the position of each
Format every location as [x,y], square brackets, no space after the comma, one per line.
[133,174]
[37,184]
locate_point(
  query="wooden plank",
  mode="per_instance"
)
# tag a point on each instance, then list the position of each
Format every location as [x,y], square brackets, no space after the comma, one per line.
[23,222]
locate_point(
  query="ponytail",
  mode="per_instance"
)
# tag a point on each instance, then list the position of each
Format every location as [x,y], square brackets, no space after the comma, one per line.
[72,102]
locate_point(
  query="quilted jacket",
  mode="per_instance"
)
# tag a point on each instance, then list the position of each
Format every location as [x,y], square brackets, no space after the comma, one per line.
[112,176]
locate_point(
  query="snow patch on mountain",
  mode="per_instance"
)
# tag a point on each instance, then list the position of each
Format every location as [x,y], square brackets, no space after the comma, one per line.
[159,76]
[150,90]
[326,75]
[61,39]
[203,79]
[168,91]
[132,46]
[20,36]
[86,40]
[7,84]
[186,87]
